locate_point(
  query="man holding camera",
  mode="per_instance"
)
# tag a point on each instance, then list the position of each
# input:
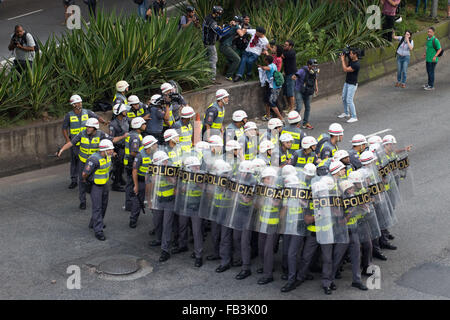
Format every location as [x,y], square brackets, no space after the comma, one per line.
[188,19]
[351,83]
[23,45]
[159,113]
[305,86]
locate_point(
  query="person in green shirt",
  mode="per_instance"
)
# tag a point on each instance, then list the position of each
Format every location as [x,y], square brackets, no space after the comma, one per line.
[226,47]
[433,49]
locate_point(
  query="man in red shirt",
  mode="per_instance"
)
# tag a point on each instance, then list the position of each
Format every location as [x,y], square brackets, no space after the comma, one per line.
[389,10]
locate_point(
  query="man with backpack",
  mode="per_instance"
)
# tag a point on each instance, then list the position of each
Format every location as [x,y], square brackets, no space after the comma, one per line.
[305,86]
[24,47]
[432,53]
[272,87]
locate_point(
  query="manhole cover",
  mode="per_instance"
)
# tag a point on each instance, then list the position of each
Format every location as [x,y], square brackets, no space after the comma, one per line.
[119,266]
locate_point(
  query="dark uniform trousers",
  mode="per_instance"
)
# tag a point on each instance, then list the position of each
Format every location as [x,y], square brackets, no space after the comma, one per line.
[366,254]
[243,239]
[354,248]
[285,252]
[158,223]
[196,232]
[310,248]
[226,239]
[380,240]
[237,247]
[81,184]
[129,187]
[295,248]
[215,236]
[167,227]
[266,244]
[136,200]
[99,198]
[118,166]
[74,163]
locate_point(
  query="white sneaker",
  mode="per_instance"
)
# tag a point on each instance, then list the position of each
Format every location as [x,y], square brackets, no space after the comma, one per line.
[426,85]
[429,88]
[343,115]
[352,120]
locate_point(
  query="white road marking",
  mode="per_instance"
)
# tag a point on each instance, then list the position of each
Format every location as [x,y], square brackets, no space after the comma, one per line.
[26,14]
[377,133]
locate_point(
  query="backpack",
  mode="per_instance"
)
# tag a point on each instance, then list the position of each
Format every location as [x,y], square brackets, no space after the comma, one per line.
[434,46]
[309,82]
[278,78]
[139,2]
[36,44]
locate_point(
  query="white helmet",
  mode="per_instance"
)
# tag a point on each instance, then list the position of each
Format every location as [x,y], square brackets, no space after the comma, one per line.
[288,170]
[121,86]
[220,166]
[133,99]
[375,139]
[374,147]
[137,122]
[119,108]
[358,139]
[356,177]
[389,139]
[92,122]
[274,123]
[319,186]
[328,181]
[239,115]
[221,93]
[335,129]
[258,164]
[269,172]
[159,157]
[215,141]
[336,166]
[310,169]
[286,137]
[246,166]
[340,154]
[201,145]
[308,142]
[154,98]
[170,134]
[191,161]
[105,144]
[75,99]
[294,117]
[232,145]
[367,157]
[250,125]
[148,141]
[266,145]
[291,181]
[165,87]
[346,184]
[187,112]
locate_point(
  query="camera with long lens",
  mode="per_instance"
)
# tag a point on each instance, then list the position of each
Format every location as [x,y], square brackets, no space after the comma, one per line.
[347,49]
[175,97]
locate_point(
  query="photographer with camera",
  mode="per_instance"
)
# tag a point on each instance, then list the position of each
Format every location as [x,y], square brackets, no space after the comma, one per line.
[351,67]
[24,47]
[189,18]
[226,47]
[305,86]
[174,100]
[159,113]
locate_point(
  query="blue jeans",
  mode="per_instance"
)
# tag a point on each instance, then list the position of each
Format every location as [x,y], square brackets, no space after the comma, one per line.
[142,9]
[418,5]
[430,70]
[402,68]
[248,59]
[347,98]
[300,100]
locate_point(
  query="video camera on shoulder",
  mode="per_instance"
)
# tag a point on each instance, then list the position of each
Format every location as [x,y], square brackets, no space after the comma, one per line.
[346,51]
[175,97]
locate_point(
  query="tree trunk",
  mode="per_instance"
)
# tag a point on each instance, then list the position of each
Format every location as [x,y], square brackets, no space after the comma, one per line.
[434,8]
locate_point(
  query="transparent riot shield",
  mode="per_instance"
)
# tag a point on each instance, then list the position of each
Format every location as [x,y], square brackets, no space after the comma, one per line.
[296,201]
[215,201]
[330,222]
[379,196]
[241,190]
[386,169]
[189,191]
[161,180]
[405,176]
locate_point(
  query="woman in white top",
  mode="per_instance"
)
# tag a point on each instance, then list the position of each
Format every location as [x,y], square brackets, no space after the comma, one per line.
[403,55]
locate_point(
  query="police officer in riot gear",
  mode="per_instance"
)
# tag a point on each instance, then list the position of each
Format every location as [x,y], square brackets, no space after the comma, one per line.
[118,126]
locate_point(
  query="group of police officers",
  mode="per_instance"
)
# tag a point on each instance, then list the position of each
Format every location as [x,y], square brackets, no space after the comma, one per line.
[251,188]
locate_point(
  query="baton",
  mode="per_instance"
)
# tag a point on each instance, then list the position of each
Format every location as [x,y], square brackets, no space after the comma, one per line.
[141,203]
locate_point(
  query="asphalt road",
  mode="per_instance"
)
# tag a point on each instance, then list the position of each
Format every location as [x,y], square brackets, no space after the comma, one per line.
[44,17]
[42,231]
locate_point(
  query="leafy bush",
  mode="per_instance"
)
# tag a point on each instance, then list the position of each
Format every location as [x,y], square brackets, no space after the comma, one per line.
[91,60]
